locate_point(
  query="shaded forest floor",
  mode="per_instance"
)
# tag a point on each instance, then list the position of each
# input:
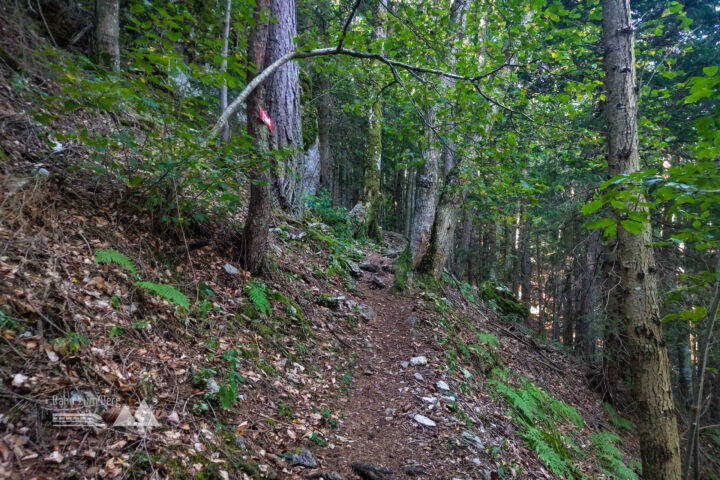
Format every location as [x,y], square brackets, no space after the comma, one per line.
[319,349]
[332,379]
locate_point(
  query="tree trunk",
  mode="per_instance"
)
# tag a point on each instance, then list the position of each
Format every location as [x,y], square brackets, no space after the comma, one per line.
[283,106]
[107,33]
[463,252]
[424,226]
[569,316]
[657,423]
[540,295]
[586,339]
[254,240]
[443,232]
[370,197]
[324,119]
[225,136]
[526,266]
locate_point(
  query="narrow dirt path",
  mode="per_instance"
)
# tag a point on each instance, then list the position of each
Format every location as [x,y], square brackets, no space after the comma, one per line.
[386,393]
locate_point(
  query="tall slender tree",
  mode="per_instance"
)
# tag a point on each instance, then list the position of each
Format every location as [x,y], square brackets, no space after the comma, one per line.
[254,240]
[657,423]
[107,33]
[370,198]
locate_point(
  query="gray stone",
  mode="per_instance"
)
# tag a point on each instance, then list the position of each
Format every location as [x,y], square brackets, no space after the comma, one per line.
[442,385]
[212,385]
[302,458]
[424,421]
[404,364]
[230,269]
[419,377]
[353,268]
[415,361]
[366,312]
[430,400]
[412,320]
[377,282]
[472,440]
[369,267]
[414,470]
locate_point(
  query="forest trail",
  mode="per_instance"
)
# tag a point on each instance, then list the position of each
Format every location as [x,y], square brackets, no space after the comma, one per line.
[387,392]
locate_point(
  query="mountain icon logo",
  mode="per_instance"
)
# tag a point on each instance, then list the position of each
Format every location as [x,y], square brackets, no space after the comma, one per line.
[143,418]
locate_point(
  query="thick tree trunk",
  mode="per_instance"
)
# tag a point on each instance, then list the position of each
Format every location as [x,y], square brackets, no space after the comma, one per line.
[254,240]
[443,232]
[324,119]
[423,227]
[283,106]
[657,423]
[107,33]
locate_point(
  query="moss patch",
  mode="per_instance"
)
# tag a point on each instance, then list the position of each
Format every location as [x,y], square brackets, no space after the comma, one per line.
[503,299]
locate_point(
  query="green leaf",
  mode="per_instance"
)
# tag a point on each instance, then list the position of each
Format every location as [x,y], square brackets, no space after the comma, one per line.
[710,71]
[592,207]
[600,223]
[113,256]
[256,292]
[632,226]
[168,292]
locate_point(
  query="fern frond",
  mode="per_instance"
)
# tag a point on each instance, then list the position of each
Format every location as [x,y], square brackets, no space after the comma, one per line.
[113,256]
[488,339]
[168,292]
[258,295]
[609,456]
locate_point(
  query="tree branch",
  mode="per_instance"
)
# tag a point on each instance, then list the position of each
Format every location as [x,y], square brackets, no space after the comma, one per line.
[347,24]
[322,52]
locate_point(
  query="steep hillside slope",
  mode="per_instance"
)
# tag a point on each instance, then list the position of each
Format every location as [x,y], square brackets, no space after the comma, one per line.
[135,349]
[320,360]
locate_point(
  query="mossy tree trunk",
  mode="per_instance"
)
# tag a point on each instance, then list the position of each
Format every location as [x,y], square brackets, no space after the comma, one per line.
[434,221]
[107,33]
[370,197]
[637,292]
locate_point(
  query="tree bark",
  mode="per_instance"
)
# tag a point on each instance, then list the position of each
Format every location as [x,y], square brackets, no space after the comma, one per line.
[657,423]
[225,136]
[424,219]
[569,315]
[107,33]
[586,340]
[463,252]
[254,240]
[324,119]
[283,106]
[373,153]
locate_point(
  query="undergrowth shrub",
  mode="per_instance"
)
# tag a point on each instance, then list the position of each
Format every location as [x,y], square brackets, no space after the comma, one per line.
[538,415]
[336,218]
[609,457]
[148,122]
[168,292]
